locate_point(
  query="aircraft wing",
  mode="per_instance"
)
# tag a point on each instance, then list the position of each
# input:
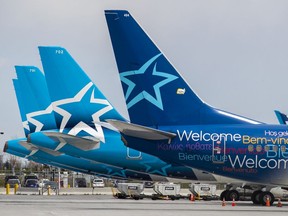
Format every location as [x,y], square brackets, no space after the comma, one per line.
[141,132]
[83,143]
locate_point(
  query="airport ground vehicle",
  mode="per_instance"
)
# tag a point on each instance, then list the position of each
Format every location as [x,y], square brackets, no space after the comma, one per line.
[204,191]
[166,190]
[162,191]
[132,190]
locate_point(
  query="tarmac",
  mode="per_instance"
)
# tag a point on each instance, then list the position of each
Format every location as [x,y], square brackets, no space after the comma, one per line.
[81,201]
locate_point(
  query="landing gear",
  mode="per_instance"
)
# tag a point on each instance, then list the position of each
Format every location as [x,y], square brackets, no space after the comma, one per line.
[232,194]
[229,195]
[260,197]
[255,197]
[264,196]
[259,194]
[223,195]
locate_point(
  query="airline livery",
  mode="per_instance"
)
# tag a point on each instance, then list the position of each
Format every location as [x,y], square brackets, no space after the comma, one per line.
[79,109]
[170,121]
[69,123]
[37,114]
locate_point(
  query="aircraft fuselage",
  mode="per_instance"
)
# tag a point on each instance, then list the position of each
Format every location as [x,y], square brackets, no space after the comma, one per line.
[248,152]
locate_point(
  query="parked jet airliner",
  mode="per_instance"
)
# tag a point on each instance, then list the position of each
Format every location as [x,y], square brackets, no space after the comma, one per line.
[170,121]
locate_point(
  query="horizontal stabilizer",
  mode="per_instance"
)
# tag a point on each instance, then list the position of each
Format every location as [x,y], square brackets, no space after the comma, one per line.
[141,132]
[84,144]
[35,149]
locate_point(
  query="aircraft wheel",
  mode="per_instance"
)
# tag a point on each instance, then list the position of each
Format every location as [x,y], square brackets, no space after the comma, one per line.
[223,194]
[232,194]
[266,195]
[172,198]
[255,197]
[136,197]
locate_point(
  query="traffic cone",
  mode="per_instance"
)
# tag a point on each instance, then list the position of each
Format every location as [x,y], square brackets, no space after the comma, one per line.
[223,202]
[233,202]
[279,204]
[192,197]
[267,201]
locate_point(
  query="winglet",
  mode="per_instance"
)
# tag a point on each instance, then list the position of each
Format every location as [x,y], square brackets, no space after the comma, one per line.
[282,118]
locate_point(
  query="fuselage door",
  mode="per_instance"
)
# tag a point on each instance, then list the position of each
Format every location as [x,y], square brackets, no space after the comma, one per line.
[219,151]
[133,154]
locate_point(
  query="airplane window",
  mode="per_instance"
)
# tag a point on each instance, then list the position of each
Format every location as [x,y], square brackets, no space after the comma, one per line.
[258,148]
[250,148]
[266,148]
[283,148]
[275,148]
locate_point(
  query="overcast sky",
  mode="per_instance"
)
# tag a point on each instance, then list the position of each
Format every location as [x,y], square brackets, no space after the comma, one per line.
[234,54]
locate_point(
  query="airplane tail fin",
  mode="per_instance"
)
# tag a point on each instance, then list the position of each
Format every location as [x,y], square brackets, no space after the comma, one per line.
[282,118]
[155,92]
[75,97]
[33,98]
[20,101]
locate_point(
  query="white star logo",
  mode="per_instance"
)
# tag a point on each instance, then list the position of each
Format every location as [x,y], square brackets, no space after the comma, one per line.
[31,117]
[25,125]
[82,126]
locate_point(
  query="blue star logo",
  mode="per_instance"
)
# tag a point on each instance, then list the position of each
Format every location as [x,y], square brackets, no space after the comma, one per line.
[152,95]
[152,170]
[110,171]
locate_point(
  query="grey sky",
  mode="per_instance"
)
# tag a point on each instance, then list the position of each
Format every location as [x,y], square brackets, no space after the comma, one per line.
[234,54]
